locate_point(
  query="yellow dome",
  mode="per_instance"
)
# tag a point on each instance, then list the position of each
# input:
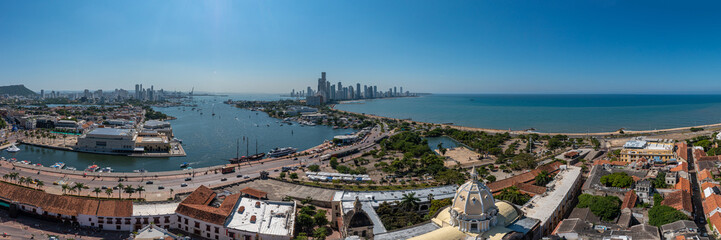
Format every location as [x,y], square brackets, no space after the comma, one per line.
[507,214]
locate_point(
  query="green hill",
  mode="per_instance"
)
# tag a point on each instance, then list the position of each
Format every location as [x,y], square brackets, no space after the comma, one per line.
[16,90]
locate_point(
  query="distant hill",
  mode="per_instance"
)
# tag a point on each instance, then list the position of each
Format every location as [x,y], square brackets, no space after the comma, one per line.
[16,90]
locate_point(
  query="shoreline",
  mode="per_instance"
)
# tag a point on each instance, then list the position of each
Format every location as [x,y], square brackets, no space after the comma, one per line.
[627,133]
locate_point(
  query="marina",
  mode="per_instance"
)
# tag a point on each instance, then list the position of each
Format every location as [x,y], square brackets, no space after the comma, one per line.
[207,140]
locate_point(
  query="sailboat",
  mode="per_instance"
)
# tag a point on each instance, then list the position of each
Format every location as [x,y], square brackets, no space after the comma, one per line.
[213,110]
[13,149]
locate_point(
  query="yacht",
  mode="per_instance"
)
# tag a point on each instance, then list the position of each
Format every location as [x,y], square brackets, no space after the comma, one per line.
[58,165]
[92,168]
[184,165]
[72,168]
[279,152]
[26,162]
[13,148]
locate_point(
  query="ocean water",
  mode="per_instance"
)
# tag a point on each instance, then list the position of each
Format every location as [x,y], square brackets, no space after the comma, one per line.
[208,140]
[550,113]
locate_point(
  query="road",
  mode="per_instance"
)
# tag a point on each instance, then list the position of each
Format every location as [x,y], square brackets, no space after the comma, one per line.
[211,178]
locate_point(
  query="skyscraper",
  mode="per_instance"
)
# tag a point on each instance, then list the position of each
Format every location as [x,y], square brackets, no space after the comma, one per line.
[357,90]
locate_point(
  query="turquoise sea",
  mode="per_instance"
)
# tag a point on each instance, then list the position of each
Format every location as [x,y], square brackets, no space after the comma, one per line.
[569,113]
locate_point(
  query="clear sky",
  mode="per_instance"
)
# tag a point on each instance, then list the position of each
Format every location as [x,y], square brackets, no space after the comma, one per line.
[426,46]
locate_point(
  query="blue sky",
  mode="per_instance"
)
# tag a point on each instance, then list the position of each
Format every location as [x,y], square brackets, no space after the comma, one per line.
[425,46]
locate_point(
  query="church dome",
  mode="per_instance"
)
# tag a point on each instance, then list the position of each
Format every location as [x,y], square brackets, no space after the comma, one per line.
[473,208]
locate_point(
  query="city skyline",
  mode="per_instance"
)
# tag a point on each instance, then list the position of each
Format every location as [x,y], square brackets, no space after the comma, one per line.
[254,47]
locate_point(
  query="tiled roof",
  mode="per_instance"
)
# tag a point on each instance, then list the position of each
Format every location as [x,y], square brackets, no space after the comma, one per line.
[709,185]
[682,150]
[196,206]
[681,167]
[709,158]
[530,188]
[715,220]
[254,193]
[629,200]
[680,200]
[683,184]
[704,174]
[711,203]
[619,163]
[526,177]
[66,205]
[601,162]
[698,153]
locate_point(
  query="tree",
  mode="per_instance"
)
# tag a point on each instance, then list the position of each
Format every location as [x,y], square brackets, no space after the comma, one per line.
[293,176]
[662,214]
[543,178]
[120,190]
[605,207]
[65,187]
[314,168]
[129,190]
[491,178]
[79,187]
[320,233]
[657,199]
[39,184]
[333,162]
[441,148]
[617,179]
[282,175]
[523,161]
[660,180]
[320,219]
[140,190]
[409,202]
[305,222]
[109,191]
[97,191]
[514,195]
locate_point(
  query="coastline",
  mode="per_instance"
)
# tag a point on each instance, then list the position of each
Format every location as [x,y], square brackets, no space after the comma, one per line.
[627,133]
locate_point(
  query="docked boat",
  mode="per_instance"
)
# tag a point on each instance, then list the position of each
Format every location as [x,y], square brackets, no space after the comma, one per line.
[13,149]
[280,152]
[92,168]
[25,162]
[140,171]
[72,168]
[106,169]
[184,165]
[58,165]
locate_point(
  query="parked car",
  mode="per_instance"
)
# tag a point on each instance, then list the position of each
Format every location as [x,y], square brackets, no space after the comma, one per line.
[223,179]
[239,175]
[188,179]
[183,185]
[161,187]
[149,182]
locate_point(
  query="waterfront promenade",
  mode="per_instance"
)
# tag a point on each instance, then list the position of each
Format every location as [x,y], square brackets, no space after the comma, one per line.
[172,180]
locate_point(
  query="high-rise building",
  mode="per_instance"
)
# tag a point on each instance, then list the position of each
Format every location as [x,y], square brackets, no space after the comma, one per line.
[357,91]
[332,92]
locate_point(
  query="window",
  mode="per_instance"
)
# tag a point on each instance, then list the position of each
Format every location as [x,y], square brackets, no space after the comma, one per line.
[101,144]
[207,228]
[216,229]
[117,227]
[197,224]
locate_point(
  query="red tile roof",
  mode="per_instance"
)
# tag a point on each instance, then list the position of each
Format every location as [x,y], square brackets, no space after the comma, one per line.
[710,158]
[683,184]
[682,150]
[680,200]
[619,163]
[698,153]
[66,205]
[629,200]
[705,174]
[254,193]
[196,206]
[710,203]
[530,188]
[708,185]
[601,162]
[715,220]
[526,177]
[681,167]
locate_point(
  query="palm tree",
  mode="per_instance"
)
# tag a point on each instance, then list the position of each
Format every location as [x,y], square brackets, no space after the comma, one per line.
[39,183]
[543,178]
[129,190]
[430,197]
[109,191]
[140,190]
[65,187]
[97,191]
[79,187]
[120,188]
[6,176]
[22,180]
[409,202]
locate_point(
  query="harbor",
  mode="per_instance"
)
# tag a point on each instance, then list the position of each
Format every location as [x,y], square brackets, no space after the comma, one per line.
[207,140]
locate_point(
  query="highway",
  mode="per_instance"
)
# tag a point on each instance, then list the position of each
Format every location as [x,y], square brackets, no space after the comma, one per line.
[152,182]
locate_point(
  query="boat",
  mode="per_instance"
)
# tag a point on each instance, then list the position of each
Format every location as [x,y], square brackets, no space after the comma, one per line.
[92,168]
[58,165]
[25,162]
[184,165]
[280,152]
[178,140]
[38,164]
[140,171]
[72,168]
[13,149]
[106,169]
